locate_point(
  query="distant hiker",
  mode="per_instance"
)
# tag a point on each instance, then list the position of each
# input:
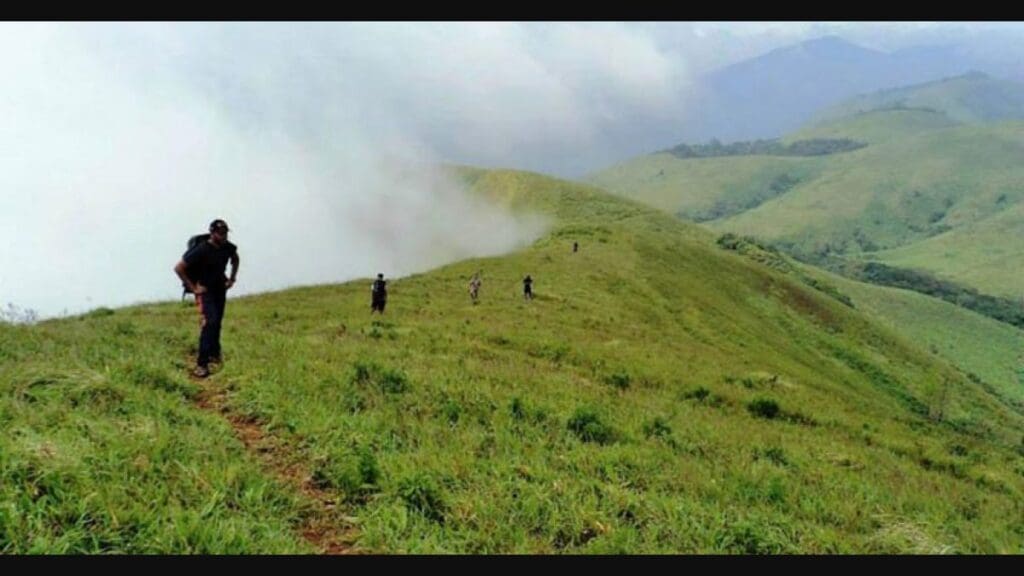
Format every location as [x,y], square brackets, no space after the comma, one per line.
[528,287]
[201,270]
[379,294]
[474,287]
[575,247]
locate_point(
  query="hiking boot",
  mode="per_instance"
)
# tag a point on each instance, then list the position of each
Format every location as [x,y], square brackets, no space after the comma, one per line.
[201,372]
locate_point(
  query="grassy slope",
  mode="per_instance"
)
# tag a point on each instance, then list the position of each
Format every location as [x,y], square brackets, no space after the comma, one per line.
[983,348]
[444,426]
[988,351]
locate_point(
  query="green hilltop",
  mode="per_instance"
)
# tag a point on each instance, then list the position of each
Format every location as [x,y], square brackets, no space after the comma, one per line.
[934,189]
[969,98]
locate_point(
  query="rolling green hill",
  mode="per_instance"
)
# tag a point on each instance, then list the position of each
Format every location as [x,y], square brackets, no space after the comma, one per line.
[703,189]
[877,126]
[970,98]
[896,193]
[921,186]
[985,254]
[660,394]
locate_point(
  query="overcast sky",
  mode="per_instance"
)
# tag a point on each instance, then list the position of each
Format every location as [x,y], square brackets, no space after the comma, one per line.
[118,141]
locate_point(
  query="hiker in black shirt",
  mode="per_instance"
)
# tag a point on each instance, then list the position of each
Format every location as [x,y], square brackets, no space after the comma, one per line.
[528,287]
[379,294]
[206,263]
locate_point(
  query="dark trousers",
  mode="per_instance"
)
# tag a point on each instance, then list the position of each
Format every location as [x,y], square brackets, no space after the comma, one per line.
[211,308]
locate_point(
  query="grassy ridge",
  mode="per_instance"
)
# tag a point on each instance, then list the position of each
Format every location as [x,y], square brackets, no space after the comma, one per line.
[659,395]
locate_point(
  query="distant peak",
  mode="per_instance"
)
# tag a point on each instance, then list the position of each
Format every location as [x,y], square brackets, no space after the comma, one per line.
[824,46]
[830,45]
[826,40]
[975,75]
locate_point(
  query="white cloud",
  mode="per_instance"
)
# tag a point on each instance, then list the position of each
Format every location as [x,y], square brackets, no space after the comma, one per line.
[105,175]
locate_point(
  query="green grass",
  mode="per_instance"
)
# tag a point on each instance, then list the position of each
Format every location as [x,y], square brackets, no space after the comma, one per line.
[102,450]
[612,414]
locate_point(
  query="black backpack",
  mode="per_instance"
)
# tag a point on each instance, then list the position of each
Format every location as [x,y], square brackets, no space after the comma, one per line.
[191,271]
[379,286]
